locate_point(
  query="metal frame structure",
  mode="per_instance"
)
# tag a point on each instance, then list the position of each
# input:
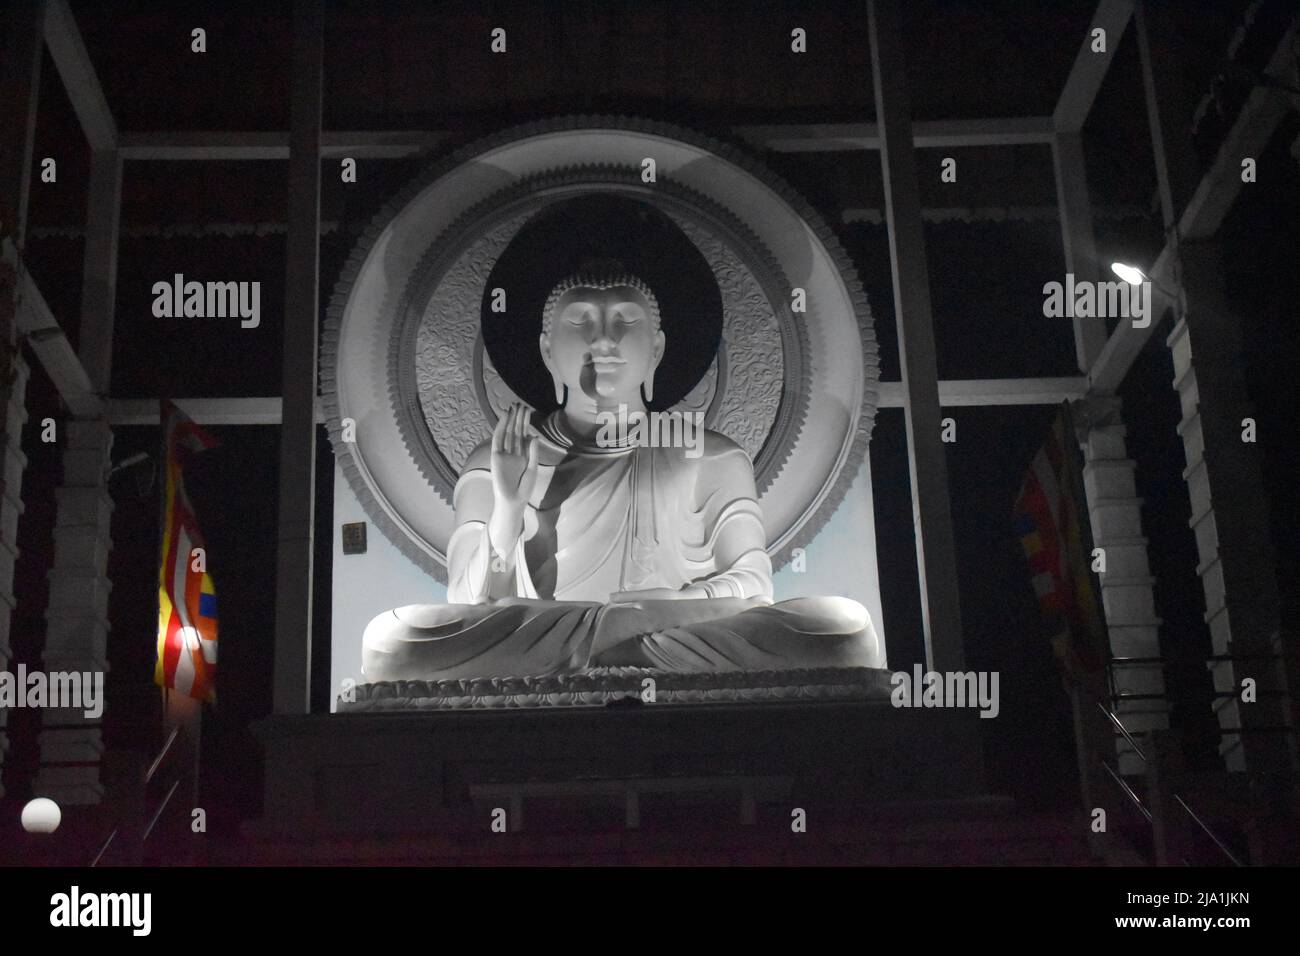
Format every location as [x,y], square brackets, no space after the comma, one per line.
[82,377]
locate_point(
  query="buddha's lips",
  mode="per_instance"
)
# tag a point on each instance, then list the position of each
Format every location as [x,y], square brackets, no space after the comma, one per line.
[598,362]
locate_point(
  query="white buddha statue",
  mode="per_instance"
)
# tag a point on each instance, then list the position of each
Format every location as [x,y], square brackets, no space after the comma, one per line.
[572,551]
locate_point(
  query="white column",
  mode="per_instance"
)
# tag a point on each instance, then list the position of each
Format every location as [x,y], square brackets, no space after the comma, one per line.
[1127,595]
[11,506]
[76,636]
[1114,509]
[1230,521]
[77,614]
[21,46]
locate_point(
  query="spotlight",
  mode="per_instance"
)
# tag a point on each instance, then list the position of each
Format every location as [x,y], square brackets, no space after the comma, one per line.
[1130,274]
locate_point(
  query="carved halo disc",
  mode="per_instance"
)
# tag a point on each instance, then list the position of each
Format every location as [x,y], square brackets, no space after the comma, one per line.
[403,357]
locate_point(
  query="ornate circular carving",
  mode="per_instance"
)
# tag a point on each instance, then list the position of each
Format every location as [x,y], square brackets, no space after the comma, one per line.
[403,358]
[446,416]
[443,398]
[757,383]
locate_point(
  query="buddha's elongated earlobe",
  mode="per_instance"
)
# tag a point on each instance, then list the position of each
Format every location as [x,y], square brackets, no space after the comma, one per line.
[648,386]
[544,344]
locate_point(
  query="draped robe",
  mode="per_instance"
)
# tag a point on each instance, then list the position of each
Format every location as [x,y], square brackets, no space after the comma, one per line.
[603,520]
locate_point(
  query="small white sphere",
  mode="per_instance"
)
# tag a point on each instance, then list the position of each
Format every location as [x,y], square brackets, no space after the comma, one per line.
[41,815]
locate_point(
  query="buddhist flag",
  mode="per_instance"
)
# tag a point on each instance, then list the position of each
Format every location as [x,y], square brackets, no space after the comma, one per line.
[1052,522]
[187,601]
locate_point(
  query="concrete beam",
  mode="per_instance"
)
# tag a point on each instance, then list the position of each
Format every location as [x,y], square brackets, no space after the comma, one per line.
[1210,202]
[847,216]
[20,84]
[1089,70]
[99,273]
[980,393]
[73,63]
[1264,110]
[835,137]
[205,411]
[200,145]
[379,144]
[36,323]
[1077,238]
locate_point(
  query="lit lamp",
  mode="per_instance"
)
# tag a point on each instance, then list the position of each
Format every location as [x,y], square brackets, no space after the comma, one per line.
[41,815]
[1135,276]
[1130,274]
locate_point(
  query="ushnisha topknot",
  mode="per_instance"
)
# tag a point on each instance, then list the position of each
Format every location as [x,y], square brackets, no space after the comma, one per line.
[599,274]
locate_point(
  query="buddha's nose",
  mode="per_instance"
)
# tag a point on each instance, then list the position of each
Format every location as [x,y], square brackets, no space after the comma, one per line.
[603,341]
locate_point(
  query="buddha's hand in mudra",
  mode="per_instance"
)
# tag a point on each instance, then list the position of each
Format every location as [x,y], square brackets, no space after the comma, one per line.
[514,475]
[658,594]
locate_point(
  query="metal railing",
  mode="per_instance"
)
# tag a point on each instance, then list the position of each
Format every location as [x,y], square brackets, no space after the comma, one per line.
[138,815]
[1174,796]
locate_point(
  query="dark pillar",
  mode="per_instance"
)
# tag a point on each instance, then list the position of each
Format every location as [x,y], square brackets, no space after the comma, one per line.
[298,423]
[936,552]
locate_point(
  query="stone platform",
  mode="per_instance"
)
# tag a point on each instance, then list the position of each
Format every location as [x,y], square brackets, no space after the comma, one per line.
[386,769]
[601,686]
[969,832]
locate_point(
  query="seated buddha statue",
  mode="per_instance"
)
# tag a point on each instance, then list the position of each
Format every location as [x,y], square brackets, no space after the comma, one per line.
[575,550]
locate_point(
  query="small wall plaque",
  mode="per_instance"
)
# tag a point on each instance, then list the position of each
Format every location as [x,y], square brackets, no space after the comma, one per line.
[354,538]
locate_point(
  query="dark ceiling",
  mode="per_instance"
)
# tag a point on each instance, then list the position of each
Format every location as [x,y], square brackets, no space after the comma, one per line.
[413,65]
[407,65]
[428,64]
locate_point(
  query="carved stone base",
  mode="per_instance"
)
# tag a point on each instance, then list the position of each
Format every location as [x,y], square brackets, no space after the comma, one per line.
[604,685]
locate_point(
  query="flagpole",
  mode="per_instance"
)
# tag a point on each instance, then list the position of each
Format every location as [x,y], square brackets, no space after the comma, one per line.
[161,482]
[1094,737]
[171,716]
[179,712]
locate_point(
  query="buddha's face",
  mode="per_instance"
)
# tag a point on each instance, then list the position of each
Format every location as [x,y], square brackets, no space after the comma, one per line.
[603,343]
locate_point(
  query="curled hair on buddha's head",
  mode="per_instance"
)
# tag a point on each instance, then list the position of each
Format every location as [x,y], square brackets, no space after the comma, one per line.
[599,274]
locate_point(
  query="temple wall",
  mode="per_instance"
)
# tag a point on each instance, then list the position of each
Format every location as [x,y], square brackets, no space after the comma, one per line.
[366,585]
[841,560]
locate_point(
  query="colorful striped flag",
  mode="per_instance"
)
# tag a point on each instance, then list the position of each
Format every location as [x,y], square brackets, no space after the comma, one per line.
[187,601]
[1052,522]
